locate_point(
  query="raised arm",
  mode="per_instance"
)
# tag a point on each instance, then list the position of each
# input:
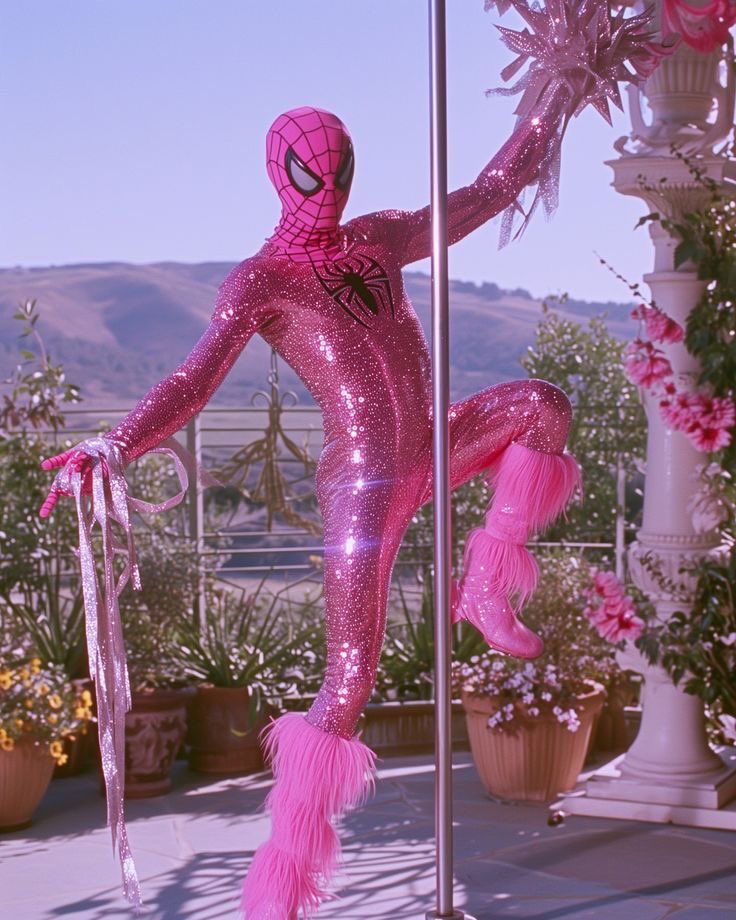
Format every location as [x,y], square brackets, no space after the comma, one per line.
[240,311]
[570,55]
[499,184]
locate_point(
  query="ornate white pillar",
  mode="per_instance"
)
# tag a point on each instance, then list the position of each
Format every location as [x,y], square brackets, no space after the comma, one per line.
[670,774]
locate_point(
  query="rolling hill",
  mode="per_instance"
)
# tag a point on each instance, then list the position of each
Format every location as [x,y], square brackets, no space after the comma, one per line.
[118,327]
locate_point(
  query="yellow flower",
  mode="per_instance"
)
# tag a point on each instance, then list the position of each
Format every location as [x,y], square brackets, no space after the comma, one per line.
[86,697]
[43,689]
[19,723]
[29,704]
[80,713]
[56,748]
[53,718]
[55,701]
[61,760]
[6,680]
[3,734]
[35,662]
[7,745]
[24,673]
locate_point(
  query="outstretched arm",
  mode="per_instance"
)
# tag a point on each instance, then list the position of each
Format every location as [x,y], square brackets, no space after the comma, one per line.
[240,311]
[168,406]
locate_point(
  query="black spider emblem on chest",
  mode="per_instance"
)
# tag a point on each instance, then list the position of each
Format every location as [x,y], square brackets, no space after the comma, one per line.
[359,285]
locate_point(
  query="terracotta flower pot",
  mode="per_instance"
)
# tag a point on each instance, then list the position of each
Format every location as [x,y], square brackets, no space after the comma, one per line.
[539,758]
[220,739]
[80,748]
[25,774]
[154,731]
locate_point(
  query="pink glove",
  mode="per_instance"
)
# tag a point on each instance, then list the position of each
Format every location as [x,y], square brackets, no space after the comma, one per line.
[81,463]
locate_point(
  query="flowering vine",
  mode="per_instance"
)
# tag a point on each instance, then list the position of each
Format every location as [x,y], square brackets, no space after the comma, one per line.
[697,644]
[702,417]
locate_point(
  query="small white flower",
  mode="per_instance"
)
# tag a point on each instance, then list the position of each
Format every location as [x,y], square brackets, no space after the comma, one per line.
[728,724]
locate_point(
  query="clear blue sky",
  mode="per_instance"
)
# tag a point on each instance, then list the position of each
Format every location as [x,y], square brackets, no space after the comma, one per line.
[134,131]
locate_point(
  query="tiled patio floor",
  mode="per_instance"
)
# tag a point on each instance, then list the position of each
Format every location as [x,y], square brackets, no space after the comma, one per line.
[193,846]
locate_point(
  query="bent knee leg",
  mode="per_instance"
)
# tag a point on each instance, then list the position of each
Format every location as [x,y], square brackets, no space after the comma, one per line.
[549,418]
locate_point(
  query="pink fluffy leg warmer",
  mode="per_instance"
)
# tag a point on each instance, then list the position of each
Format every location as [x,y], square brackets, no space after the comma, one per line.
[531,488]
[317,777]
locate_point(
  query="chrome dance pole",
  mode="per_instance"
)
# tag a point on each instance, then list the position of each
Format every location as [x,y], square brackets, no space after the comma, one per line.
[441,454]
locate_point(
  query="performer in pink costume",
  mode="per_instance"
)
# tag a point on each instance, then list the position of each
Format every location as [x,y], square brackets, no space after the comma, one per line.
[330,299]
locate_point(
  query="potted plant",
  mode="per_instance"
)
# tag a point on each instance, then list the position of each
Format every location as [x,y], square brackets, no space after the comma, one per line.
[40,597]
[400,719]
[39,710]
[156,726]
[243,656]
[530,722]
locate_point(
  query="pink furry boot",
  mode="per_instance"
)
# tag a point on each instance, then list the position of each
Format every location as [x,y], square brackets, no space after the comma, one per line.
[530,489]
[317,777]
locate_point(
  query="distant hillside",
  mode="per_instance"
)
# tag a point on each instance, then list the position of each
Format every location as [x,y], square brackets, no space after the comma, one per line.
[118,328]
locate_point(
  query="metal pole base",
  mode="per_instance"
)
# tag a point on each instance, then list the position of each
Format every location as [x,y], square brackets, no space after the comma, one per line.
[455,915]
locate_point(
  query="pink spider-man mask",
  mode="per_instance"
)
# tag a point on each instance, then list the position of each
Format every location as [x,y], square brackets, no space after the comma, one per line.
[309,158]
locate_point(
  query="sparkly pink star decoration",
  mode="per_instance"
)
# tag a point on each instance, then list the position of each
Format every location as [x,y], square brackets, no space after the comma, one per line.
[579,45]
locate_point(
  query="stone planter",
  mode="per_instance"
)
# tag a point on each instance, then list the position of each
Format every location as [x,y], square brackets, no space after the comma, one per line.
[540,759]
[154,731]
[408,728]
[220,739]
[25,773]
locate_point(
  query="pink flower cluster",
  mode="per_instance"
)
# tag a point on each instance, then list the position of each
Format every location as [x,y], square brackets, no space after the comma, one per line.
[645,365]
[706,420]
[610,609]
[659,326]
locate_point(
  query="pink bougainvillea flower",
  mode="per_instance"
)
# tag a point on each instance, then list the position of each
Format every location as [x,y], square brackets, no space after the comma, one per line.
[706,420]
[709,439]
[718,411]
[627,625]
[677,411]
[618,621]
[610,610]
[606,585]
[662,328]
[645,365]
[703,26]
[659,326]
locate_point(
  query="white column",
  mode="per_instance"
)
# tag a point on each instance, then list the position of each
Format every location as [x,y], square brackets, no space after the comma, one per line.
[670,774]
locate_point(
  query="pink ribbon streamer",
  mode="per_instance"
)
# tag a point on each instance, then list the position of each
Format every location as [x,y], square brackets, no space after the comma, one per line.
[108,504]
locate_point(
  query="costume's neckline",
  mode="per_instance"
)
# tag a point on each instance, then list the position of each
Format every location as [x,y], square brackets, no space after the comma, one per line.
[320,247]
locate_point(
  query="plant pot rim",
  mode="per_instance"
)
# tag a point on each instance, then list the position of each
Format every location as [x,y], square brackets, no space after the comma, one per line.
[399,705]
[486,704]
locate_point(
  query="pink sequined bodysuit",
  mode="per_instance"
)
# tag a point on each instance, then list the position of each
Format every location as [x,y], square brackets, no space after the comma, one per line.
[330,299]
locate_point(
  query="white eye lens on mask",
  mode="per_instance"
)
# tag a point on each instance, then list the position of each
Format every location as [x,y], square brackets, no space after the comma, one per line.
[345,172]
[300,175]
